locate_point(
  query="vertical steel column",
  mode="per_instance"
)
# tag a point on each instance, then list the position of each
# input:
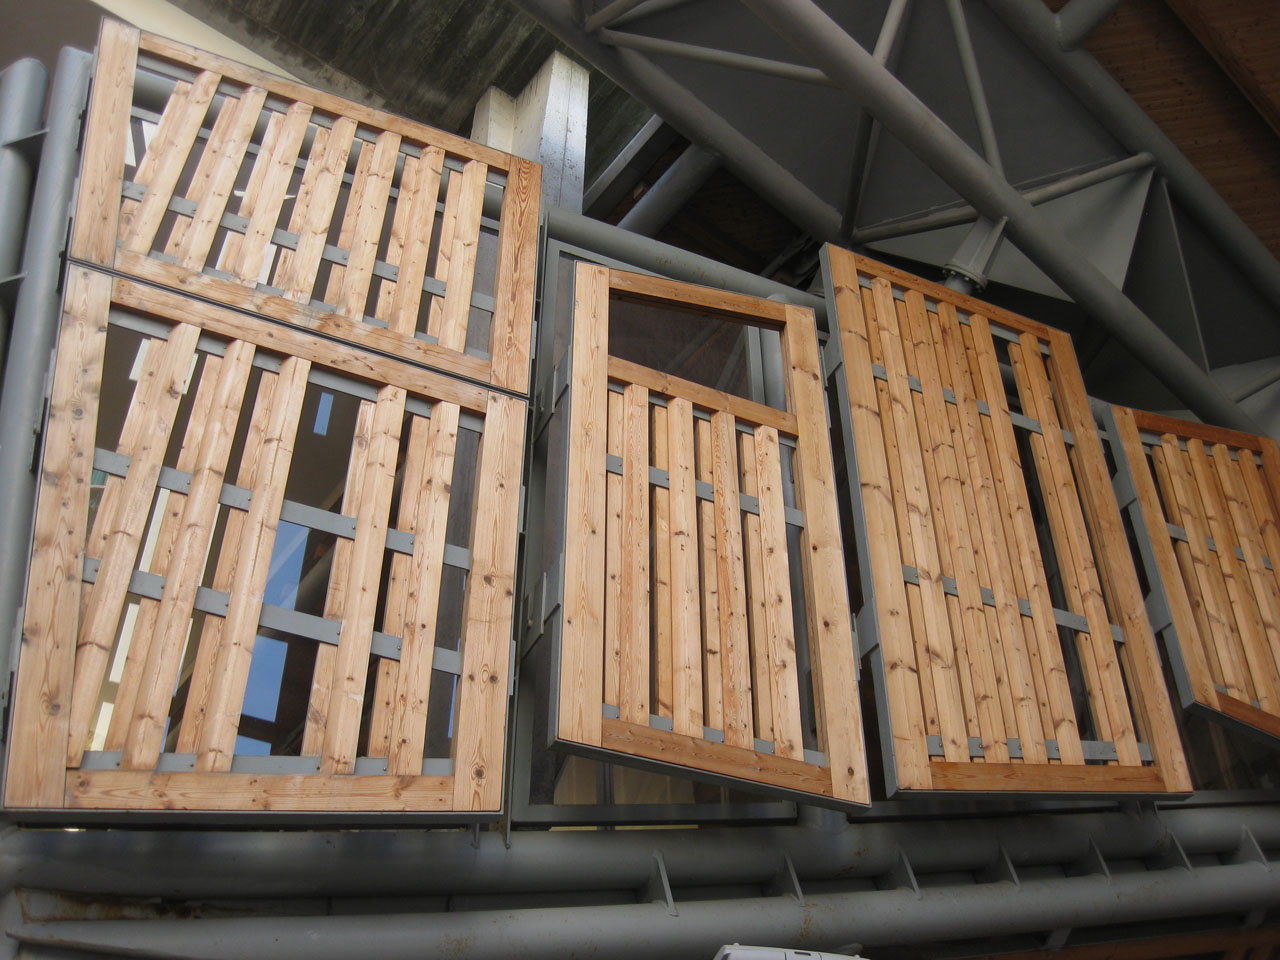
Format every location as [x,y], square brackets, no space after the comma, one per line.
[35,324]
[807,28]
[22,89]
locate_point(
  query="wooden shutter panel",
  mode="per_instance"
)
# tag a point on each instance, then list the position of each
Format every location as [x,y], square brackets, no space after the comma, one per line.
[678,645]
[1007,655]
[1204,504]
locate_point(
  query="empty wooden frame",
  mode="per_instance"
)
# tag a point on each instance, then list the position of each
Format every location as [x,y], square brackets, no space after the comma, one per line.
[1009,642]
[242,187]
[1204,501]
[706,624]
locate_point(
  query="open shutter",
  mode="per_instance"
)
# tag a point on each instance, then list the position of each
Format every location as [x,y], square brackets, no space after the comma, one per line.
[1204,502]
[1010,644]
[706,623]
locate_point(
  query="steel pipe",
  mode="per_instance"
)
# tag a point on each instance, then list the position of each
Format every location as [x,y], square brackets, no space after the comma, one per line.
[35,324]
[1090,83]
[678,183]
[973,82]
[693,929]
[22,89]
[720,58]
[814,34]
[1079,18]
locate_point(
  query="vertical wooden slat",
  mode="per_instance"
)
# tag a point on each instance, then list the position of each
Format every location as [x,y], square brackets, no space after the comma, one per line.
[158,405]
[660,598]
[170,147]
[339,577]
[761,684]
[829,622]
[195,713]
[973,650]
[480,731]
[37,759]
[265,194]
[613,555]
[735,652]
[148,610]
[410,240]
[779,635]
[214,179]
[313,208]
[1263,506]
[234,654]
[633,593]
[907,735]
[431,489]
[360,178]
[581,657]
[97,217]
[686,640]
[346,698]
[935,624]
[164,658]
[200,179]
[375,188]
[713,698]
[511,336]
[465,243]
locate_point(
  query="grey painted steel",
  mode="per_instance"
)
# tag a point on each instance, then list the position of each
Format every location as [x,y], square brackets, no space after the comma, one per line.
[1035,196]
[648,10]
[1079,18]
[617,179]
[672,191]
[720,58]
[22,90]
[973,80]
[805,26]
[267,862]
[34,332]
[693,118]
[610,13]
[1125,120]
[694,929]
[669,261]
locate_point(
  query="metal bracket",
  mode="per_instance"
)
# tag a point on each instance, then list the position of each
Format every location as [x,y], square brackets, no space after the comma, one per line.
[1171,855]
[1057,939]
[657,889]
[1091,864]
[1000,869]
[29,145]
[786,883]
[901,875]
[1248,850]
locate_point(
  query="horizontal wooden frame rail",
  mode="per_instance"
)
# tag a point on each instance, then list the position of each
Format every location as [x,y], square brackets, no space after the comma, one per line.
[696,585]
[364,748]
[245,178]
[1006,654]
[1205,505]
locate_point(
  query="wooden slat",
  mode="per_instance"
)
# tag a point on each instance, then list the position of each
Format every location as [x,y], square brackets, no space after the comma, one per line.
[907,736]
[37,768]
[973,650]
[779,634]
[164,658]
[660,586]
[114,789]
[1263,507]
[360,179]
[279,418]
[195,712]
[750,309]
[713,697]
[581,656]
[265,193]
[735,651]
[96,222]
[215,178]
[367,229]
[465,239]
[748,411]
[761,684]
[511,336]
[346,697]
[935,625]
[165,159]
[613,555]
[829,620]
[445,248]
[1157,533]
[313,208]
[336,592]
[198,188]
[157,404]
[480,732]
[410,240]
[1063,778]
[686,639]
[430,487]
[633,592]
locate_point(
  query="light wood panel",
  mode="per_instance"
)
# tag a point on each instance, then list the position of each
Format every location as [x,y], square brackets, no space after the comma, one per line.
[986,512]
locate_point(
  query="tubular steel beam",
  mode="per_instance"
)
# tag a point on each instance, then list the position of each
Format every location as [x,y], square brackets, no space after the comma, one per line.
[1032,22]
[22,88]
[814,34]
[720,58]
[672,190]
[973,81]
[1079,18]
